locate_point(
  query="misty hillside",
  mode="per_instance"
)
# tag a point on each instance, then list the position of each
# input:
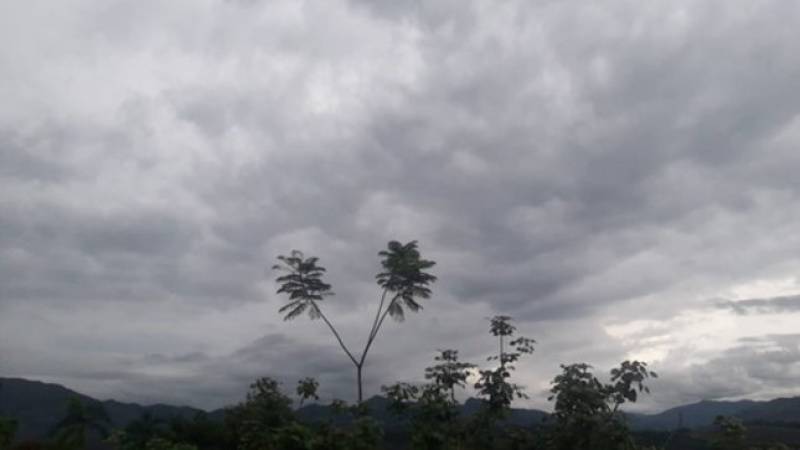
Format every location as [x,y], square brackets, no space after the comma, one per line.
[702,414]
[694,415]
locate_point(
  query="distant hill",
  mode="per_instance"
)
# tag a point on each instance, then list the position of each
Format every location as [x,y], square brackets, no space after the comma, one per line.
[777,410]
[39,406]
[702,414]
[694,415]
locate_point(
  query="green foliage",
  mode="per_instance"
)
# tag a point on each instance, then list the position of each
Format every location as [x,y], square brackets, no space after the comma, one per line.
[120,440]
[730,433]
[158,443]
[339,406]
[774,446]
[404,276]
[80,419]
[578,394]
[433,408]
[36,445]
[629,379]
[294,436]
[493,385]
[265,421]
[497,391]
[8,428]
[436,425]
[365,434]
[449,372]
[149,433]
[123,440]
[501,326]
[139,432]
[401,396]
[329,437]
[586,410]
[307,388]
[200,431]
[303,283]
[252,424]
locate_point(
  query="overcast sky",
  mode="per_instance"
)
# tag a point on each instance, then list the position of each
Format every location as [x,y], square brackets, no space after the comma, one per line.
[620,176]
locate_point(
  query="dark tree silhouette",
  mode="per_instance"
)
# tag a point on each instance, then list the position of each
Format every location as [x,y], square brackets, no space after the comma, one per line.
[492,384]
[307,388]
[449,372]
[586,411]
[403,281]
[7,430]
[71,431]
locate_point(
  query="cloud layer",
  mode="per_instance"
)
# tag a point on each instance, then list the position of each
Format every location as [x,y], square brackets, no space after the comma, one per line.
[603,172]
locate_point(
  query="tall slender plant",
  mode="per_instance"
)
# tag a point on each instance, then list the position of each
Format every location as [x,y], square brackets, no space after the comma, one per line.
[404,280]
[492,385]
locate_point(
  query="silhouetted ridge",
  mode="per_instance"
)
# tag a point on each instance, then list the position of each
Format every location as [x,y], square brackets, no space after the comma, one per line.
[38,406]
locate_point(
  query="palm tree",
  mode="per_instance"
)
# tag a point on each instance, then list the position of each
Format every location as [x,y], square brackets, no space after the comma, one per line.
[403,282]
[71,431]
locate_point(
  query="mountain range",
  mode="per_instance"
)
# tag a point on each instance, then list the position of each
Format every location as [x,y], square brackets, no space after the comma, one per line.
[38,406]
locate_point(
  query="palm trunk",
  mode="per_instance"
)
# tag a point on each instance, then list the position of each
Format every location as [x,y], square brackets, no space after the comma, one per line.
[502,359]
[360,389]
[376,325]
[336,334]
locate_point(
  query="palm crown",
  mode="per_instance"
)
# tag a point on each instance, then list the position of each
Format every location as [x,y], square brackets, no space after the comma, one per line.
[303,282]
[404,275]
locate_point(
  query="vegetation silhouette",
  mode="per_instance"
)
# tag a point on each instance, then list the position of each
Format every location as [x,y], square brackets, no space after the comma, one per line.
[80,419]
[404,281]
[8,428]
[587,412]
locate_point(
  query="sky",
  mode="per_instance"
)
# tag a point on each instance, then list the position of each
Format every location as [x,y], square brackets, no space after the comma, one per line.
[621,177]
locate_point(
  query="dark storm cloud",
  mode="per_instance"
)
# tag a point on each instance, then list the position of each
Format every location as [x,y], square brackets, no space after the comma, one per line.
[565,163]
[785,304]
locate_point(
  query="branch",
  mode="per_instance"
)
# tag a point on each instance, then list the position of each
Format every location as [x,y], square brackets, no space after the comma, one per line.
[375,332]
[335,333]
[616,406]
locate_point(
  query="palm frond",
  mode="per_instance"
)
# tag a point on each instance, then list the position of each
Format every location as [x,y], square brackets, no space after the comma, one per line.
[299,308]
[396,311]
[404,274]
[302,282]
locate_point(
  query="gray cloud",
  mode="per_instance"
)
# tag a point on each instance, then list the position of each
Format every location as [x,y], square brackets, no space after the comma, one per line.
[572,165]
[784,304]
[759,367]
